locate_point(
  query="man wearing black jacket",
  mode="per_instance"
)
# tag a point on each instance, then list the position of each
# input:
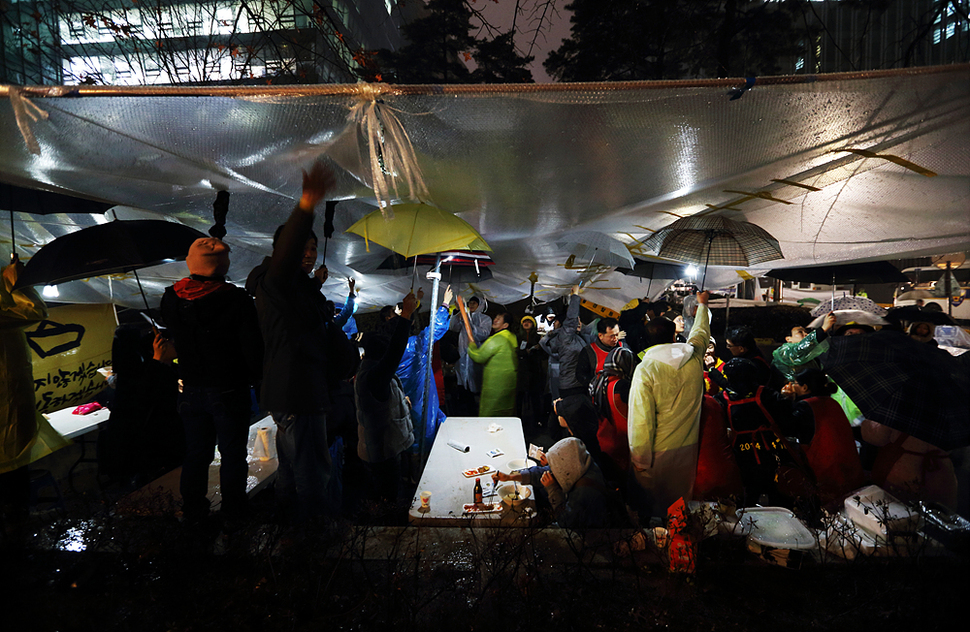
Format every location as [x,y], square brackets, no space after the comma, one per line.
[293,319]
[220,356]
[384,429]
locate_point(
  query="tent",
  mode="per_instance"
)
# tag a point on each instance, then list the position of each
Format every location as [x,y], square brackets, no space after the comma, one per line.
[839,168]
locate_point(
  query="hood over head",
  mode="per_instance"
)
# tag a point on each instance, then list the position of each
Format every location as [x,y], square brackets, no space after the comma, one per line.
[569,461]
[675,354]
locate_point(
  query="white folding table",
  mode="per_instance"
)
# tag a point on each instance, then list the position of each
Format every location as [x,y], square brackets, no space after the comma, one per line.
[451,490]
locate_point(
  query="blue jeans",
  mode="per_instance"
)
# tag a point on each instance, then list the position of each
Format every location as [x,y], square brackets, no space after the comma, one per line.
[304,464]
[212,415]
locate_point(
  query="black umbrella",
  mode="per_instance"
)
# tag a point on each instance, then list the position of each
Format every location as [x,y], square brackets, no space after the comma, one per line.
[328,228]
[914,314]
[653,270]
[114,247]
[455,275]
[904,384]
[842,274]
[23,200]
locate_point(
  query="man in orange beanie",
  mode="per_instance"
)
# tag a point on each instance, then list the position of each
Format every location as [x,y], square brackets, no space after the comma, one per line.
[220,350]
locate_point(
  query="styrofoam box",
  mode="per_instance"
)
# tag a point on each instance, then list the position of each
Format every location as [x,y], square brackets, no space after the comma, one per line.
[776,527]
[878,511]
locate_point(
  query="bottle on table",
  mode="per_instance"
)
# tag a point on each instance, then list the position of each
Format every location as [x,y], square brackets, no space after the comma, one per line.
[478,491]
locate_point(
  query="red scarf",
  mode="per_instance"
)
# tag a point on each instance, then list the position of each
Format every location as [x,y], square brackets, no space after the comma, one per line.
[191,289]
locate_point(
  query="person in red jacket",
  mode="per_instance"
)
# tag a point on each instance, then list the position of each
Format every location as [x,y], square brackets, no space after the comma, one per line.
[830,451]
[611,393]
[718,476]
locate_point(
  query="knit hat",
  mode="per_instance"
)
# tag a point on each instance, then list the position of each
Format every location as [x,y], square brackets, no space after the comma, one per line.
[569,461]
[208,257]
[525,318]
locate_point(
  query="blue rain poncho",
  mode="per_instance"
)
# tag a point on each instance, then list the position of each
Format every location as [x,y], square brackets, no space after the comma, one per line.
[413,369]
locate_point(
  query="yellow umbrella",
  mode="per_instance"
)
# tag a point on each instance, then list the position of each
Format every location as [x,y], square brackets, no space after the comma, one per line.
[418,229]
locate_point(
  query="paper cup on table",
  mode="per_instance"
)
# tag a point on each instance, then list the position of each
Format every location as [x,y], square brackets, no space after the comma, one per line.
[425,500]
[660,537]
[258,451]
[265,448]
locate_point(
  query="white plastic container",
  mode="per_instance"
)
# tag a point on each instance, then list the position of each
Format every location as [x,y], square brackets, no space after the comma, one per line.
[879,512]
[775,527]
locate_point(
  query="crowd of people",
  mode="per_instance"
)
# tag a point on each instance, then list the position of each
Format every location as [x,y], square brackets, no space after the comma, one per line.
[650,413]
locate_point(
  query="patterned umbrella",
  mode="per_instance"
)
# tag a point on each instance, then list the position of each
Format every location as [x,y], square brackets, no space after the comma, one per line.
[846,316]
[904,384]
[713,239]
[857,303]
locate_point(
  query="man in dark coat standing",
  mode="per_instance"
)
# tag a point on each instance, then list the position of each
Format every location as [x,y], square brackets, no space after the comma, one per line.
[293,319]
[220,356]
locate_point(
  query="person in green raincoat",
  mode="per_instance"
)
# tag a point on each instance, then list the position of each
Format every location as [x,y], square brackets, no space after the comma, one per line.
[498,354]
[801,349]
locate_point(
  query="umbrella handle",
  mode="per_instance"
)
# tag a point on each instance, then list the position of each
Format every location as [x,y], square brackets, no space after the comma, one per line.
[710,242]
[148,309]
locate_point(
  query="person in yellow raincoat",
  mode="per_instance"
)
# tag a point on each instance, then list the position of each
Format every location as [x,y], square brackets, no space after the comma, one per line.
[20,423]
[498,354]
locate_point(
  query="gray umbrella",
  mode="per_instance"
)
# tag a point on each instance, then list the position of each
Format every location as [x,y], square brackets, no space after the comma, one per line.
[593,247]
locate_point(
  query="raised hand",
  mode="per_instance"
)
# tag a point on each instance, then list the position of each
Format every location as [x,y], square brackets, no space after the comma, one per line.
[317,183]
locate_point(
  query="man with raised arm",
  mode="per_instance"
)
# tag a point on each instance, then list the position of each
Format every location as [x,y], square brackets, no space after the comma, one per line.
[292,316]
[665,408]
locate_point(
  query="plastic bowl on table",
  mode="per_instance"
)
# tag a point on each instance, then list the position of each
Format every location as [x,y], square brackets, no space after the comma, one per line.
[507,492]
[520,464]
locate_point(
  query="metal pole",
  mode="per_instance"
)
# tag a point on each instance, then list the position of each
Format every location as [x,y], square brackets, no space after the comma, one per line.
[426,411]
[948,290]
[833,293]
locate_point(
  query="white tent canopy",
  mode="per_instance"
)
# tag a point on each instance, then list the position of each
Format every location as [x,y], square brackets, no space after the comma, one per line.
[836,167]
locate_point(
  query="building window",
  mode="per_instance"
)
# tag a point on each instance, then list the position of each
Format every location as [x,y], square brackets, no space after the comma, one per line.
[288,20]
[76,28]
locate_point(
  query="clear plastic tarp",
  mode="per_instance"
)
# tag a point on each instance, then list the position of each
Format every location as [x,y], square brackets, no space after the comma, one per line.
[836,167]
